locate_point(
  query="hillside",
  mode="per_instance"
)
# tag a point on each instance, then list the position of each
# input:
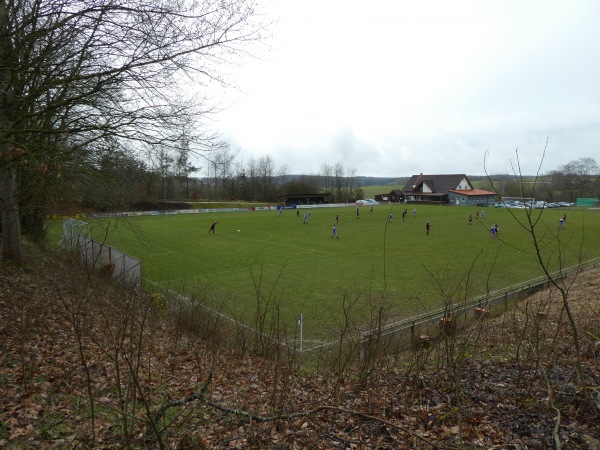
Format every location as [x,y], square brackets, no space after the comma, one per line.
[87,365]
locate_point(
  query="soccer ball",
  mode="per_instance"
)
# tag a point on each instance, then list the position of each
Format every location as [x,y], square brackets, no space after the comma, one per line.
[238,231]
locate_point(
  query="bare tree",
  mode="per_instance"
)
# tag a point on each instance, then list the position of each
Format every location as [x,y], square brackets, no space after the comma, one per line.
[354,189]
[266,168]
[340,192]
[302,184]
[551,253]
[73,72]
[327,178]
[340,183]
[224,160]
[184,166]
[577,178]
[165,171]
[252,178]
[112,177]
[245,180]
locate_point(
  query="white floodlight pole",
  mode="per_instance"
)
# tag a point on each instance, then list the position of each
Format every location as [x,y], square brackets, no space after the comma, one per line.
[300,323]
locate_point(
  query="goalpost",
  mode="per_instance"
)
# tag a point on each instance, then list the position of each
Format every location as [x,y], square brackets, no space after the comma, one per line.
[72,229]
[518,201]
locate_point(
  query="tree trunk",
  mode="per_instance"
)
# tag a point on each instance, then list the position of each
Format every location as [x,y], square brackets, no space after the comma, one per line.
[11,225]
[9,204]
[33,220]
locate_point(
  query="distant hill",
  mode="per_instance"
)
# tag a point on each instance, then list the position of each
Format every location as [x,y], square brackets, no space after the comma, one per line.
[363,181]
[382,181]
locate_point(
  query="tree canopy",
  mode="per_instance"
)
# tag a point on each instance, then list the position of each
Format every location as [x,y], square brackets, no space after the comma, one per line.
[76,74]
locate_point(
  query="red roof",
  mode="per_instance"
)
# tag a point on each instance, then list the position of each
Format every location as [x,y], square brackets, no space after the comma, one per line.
[470,192]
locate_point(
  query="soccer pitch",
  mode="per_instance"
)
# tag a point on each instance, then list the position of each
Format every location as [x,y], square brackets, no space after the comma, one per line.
[262,256]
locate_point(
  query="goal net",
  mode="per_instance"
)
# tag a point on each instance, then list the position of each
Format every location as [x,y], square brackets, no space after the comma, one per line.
[517,202]
[72,230]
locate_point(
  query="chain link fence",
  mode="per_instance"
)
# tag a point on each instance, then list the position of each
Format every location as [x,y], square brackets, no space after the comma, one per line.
[104,258]
[101,257]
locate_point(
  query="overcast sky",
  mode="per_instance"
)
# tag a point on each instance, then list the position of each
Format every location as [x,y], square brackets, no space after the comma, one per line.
[397,87]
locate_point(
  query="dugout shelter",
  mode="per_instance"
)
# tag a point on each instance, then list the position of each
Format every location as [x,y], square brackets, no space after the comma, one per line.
[290,200]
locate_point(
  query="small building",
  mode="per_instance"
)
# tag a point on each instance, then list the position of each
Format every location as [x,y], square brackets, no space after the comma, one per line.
[452,189]
[471,197]
[290,200]
[394,196]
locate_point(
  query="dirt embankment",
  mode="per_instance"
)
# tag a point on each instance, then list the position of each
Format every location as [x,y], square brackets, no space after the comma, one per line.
[86,366]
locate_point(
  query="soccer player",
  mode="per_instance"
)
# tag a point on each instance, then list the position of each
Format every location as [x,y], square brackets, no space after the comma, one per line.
[212,227]
[334,232]
[494,231]
[427,227]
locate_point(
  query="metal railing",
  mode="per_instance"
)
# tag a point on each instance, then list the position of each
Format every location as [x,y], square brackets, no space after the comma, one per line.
[400,334]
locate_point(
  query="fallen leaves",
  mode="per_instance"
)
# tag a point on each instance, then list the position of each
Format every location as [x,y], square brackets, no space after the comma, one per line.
[492,397]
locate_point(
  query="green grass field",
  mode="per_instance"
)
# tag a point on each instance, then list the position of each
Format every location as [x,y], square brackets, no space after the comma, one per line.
[302,269]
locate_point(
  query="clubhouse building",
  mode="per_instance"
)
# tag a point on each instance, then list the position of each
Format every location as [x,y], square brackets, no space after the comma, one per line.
[452,189]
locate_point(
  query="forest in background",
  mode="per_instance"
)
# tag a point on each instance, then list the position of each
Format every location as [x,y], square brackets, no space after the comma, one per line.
[121,181]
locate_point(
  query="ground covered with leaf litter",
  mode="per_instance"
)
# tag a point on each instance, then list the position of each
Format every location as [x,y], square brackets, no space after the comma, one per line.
[84,365]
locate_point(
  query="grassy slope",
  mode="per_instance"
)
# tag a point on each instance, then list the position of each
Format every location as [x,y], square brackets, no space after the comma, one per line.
[302,268]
